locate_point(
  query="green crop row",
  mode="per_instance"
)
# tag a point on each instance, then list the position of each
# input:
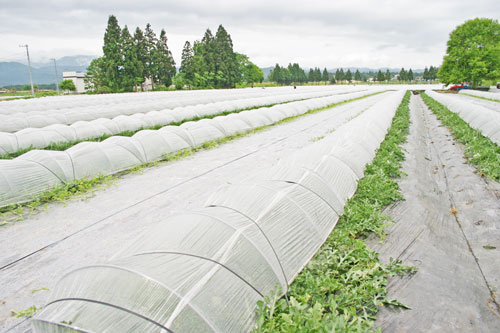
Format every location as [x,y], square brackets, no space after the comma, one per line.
[480,151]
[344,285]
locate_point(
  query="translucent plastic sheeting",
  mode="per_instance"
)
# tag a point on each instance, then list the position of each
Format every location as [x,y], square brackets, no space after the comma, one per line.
[483,119]
[159,100]
[485,94]
[142,113]
[88,159]
[204,271]
[81,130]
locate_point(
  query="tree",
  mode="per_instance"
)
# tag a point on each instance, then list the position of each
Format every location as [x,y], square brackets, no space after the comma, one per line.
[141,54]
[380,76]
[179,80]
[280,75]
[325,76]
[403,75]
[410,75]
[164,62]
[67,85]
[348,75]
[473,53]
[388,76]
[187,63]
[226,64]
[132,68]
[339,75]
[297,74]
[433,73]
[425,75]
[357,75]
[250,73]
[317,74]
[310,76]
[112,59]
[94,77]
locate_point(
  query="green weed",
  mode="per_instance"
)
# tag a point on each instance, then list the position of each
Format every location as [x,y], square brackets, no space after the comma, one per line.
[29,312]
[80,187]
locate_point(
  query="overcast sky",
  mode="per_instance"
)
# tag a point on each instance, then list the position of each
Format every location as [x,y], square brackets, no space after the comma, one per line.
[335,33]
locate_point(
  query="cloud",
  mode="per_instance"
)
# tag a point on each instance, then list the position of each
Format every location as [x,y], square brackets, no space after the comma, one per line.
[313,33]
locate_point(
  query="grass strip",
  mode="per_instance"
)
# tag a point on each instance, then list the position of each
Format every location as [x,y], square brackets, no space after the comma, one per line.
[81,187]
[344,285]
[481,97]
[480,151]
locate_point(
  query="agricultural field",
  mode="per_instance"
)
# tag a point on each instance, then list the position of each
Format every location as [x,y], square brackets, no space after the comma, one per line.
[317,209]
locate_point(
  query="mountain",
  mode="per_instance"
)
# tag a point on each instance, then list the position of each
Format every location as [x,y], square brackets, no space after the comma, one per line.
[14,73]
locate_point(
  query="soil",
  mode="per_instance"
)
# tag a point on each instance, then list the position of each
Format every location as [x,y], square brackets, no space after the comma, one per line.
[449,228]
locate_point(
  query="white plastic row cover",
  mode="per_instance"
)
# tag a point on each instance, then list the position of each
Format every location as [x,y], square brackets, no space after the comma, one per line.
[81,130]
[485,94]
[25,176]
[204,271]
[171,98]
[483,119]
[36,119]
[175,98]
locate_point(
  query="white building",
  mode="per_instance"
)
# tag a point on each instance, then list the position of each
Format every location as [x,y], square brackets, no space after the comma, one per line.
[77,78]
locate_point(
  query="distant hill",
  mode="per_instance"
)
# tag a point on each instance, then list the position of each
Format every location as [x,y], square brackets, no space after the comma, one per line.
[15,73]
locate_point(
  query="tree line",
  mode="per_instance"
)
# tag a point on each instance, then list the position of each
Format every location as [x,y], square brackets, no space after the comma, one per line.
[295,74]
[129,61]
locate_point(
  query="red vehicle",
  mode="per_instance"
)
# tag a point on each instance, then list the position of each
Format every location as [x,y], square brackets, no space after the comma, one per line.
[458,87]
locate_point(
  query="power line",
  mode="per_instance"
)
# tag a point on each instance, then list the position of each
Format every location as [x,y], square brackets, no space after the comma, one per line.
[29,68]
[57,79]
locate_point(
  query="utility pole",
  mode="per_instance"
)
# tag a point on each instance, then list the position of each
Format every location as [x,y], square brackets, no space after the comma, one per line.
[29,67]
[57,79]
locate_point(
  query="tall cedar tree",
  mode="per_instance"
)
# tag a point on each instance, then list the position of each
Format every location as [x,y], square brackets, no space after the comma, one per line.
[317,74]
[141,53]
[132,68]
[380,76]
[357,75]
[410,75]
[348,75]
[163,60]
[403,75]
[310,76]
[187,63]
[388,75]
[340,76]
[226,65]
[325,76]
[112,59]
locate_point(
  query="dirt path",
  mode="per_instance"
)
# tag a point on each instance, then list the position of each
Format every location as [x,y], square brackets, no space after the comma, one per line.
[446,227]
